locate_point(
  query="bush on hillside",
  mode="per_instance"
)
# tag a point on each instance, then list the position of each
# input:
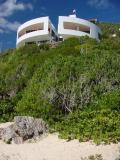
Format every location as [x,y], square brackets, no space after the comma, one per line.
[74,87]
[75,84]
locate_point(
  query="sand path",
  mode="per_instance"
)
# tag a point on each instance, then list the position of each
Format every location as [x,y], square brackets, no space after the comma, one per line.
[53,148]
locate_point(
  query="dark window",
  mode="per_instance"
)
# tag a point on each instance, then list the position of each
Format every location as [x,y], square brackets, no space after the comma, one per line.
[28,31]
[53,34]
[42,42]
[76,27]
[60,39]
[32,28]
[87,31]
[99,36]
[28,43]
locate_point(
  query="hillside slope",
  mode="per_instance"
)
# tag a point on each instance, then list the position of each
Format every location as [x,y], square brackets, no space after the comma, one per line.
[108,29]
[74,87]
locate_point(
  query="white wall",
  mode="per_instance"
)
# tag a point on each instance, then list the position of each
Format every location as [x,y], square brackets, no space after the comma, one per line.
[42,35]
[39,35]
[65,33]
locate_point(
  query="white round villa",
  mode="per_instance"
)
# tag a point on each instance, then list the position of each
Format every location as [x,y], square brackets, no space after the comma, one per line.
[69,26]
[41,30]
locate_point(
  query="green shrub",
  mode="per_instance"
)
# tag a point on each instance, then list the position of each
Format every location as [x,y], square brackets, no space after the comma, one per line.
[75,87]
[6,111]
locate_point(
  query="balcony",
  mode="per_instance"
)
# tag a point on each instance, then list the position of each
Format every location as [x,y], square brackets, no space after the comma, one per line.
[32,28]
[76,27]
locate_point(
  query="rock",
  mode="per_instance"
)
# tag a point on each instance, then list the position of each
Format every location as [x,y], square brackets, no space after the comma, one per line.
[118,158]
[17,140]
[28,127]
[22,129]
[1,130]
[40,127]
[8,133]
[24,126]
[12,93]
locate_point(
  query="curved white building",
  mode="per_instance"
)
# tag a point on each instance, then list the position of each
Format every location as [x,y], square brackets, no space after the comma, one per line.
[41,30]
[69,26]
[37,31]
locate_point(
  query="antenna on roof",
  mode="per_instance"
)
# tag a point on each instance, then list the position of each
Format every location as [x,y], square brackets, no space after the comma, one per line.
[73,13]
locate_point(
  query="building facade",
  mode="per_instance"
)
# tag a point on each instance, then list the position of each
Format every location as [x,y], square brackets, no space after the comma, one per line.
[69,26]
[39,30]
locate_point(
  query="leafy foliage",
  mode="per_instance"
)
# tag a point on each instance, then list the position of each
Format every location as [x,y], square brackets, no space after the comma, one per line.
[109,29]
[75,87]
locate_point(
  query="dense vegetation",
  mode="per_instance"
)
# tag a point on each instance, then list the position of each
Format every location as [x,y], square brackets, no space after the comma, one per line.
[74,87]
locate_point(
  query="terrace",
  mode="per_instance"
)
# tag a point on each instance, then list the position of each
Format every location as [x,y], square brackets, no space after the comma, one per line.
[32,28]
[76,27]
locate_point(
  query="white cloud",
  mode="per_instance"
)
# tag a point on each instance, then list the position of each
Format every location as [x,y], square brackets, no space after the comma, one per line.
[10,6]
[100,4]
[6,26]
[7,9]
[1,31]
[13,26]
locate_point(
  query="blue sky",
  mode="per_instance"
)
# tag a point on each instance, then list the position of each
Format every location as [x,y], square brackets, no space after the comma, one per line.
[15,12]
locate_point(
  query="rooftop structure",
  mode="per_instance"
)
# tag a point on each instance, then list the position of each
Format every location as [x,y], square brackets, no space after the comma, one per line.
[69,26]
[41,30]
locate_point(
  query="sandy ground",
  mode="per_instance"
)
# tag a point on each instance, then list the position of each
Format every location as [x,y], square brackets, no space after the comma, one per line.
[53,148]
